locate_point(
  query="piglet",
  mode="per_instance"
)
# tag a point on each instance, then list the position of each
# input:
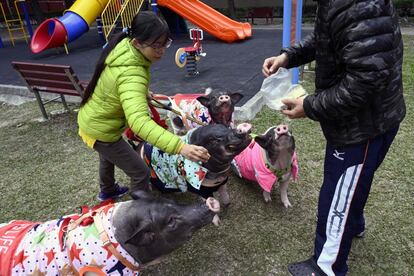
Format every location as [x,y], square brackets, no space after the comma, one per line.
[269,160]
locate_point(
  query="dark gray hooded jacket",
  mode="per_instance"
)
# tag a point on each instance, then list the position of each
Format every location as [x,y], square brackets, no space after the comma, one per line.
[358,50]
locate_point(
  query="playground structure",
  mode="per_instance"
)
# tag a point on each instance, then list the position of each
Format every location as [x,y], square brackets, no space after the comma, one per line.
[292,28]
[55,32]
[16,24]
[189,56]
[209,20]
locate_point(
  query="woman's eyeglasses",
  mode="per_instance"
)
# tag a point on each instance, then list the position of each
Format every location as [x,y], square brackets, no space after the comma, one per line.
[158,46]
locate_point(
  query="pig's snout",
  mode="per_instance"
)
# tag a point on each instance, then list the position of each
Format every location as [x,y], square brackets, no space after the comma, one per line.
[281,129]
[244,128]
[213,204]
[224,98]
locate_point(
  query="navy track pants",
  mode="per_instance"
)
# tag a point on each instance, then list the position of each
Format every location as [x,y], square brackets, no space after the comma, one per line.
[348,175]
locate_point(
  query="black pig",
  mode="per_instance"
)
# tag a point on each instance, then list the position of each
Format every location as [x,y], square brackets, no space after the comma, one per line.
[121,238]
[222,143]
[215,107]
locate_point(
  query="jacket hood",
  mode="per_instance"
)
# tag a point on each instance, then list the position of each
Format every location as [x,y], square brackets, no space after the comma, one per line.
[124,54]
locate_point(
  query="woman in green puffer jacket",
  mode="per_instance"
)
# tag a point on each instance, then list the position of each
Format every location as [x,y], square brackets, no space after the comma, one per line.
[117,98]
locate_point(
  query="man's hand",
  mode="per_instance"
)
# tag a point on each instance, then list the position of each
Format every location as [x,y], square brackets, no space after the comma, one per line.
[272,64]
[294,108]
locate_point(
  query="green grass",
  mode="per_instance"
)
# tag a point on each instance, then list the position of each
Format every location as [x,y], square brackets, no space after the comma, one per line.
[47,171]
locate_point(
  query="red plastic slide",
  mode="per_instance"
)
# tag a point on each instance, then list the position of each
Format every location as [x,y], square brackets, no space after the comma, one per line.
[209,19]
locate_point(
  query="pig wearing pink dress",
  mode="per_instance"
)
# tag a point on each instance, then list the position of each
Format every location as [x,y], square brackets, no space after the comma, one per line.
[269,160]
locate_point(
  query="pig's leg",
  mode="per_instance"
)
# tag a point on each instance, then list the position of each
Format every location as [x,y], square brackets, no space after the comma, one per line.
[266,196]
[283,193]
[141,153]
[224,195]
[216,220]
[213,205]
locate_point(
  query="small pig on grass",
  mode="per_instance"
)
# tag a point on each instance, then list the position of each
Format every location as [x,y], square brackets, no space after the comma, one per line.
[215,107]
[111,239]
[269,160]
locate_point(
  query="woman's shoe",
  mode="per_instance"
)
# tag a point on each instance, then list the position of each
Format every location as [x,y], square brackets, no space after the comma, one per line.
[119,192]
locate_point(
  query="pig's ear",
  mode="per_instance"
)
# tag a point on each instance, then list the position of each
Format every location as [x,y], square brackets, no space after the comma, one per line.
[263,140]
[236,97]
[141,237]
[204,100]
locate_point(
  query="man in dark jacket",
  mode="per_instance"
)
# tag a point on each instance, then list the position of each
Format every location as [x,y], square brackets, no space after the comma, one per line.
[359,103]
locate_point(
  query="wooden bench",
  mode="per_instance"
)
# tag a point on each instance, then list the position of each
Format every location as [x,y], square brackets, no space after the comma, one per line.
[50,78]
[261,12]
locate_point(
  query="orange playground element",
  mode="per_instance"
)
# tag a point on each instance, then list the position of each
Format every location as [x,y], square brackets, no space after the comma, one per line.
[209,19]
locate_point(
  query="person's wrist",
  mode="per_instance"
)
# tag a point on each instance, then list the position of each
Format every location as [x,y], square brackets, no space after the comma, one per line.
[285,59]
[180,148]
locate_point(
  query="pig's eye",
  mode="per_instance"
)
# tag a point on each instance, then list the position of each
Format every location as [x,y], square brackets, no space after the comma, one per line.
[231,147]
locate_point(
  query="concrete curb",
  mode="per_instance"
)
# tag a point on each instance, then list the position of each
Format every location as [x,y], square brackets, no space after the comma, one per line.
[22,91]
[15,90]
[249,110]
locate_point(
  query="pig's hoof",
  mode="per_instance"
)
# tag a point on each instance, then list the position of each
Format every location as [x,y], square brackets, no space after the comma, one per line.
[216,220]
[287,204]
[225,200]
[213,204]
[266,196]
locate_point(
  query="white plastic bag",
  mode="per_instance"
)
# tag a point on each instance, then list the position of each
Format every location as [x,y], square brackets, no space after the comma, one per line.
[276,87]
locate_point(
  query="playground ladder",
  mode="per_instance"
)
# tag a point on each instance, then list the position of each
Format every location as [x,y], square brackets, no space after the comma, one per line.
[123,10]
[11,22]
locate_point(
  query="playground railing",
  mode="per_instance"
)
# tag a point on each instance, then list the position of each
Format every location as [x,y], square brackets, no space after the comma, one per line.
[117,10]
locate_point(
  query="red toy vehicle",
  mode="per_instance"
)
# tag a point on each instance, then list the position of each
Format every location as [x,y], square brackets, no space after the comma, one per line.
[190,55]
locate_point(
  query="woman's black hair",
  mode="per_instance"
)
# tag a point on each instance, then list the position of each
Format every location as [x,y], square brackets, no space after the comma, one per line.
[146,27]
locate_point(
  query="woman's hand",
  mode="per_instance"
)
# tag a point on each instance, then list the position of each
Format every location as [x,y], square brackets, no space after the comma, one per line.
[272,64]
[195,153]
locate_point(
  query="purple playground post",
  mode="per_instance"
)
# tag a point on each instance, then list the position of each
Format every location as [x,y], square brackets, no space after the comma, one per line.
[154,6]
[26,17]
[100,29]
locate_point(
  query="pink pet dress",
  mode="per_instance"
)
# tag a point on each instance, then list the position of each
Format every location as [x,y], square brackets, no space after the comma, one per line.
[251,166]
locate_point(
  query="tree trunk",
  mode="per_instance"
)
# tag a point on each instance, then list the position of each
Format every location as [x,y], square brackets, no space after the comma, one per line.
[231,8]
[37,12]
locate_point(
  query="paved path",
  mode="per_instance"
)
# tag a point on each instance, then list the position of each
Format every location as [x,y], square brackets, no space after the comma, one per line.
[235,67]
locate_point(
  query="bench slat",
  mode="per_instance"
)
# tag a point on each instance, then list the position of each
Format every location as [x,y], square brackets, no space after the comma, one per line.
[46,76]
[43,67]
[50,84]
[56,90]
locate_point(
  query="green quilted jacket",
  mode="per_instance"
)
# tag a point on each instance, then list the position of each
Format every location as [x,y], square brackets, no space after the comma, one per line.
[120,100]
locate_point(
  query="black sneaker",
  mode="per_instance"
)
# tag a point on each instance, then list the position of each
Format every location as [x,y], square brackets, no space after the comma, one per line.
[305,268]
[119,192]
[360,235]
